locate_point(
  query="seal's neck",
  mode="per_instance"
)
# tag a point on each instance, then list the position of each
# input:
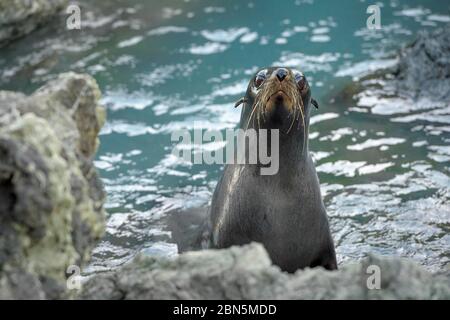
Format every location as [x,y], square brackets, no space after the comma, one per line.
[293,146]
[284,151]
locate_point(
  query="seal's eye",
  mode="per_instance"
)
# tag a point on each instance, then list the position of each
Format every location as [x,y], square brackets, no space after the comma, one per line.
[300,80]
[260,77]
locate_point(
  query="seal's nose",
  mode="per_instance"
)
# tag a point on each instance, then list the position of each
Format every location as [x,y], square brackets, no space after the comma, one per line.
[281,74]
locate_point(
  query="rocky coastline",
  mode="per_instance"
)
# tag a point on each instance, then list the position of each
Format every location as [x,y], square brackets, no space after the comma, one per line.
[52,198]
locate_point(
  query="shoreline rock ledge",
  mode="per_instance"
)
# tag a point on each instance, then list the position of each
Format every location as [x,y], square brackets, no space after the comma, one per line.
[51,197]
[247,273]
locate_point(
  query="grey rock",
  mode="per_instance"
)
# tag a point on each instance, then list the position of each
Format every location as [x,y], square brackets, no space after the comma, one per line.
[247,273]
[51,197]
[20,17]
[424,66]
[419,74]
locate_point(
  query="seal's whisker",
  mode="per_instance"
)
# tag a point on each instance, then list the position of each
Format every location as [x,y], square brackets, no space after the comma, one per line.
[293,121]
[258,115]
[293,114]
[297,104]
[301,106]
[255,114]
[251,114]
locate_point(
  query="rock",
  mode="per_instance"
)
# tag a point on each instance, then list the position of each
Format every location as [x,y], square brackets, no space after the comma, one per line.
[247,273]
[51,198]
[418,78]
[424,66]
[20,17]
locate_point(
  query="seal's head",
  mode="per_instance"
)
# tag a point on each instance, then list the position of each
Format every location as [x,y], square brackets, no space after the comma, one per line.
[277,98]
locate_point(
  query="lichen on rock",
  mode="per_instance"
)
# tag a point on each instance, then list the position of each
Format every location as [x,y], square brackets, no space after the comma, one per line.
[51,198]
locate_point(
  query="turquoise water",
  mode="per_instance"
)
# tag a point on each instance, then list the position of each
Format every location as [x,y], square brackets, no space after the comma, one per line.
[384,171]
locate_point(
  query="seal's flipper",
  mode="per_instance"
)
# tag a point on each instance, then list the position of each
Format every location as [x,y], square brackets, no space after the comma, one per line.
[240,101]
[314,103]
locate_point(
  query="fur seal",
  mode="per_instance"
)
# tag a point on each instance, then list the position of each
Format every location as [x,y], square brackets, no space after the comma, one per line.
[284,211]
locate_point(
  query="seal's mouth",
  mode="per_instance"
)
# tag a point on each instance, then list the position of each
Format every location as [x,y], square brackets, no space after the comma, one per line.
[279,99]
[278,96]
[278,104]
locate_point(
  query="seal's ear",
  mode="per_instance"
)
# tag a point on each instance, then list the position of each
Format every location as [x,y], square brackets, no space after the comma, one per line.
[240,101]
[315,104]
